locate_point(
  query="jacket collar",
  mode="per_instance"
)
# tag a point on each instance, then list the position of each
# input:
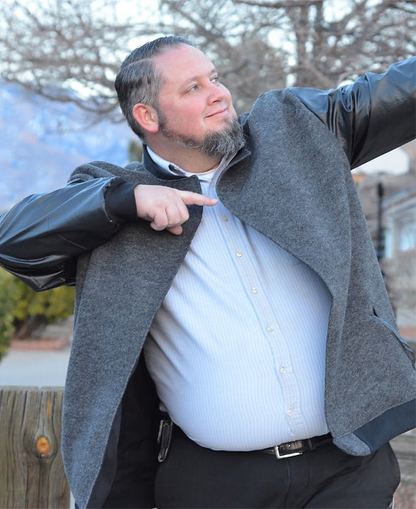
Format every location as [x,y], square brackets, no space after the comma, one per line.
[160,173]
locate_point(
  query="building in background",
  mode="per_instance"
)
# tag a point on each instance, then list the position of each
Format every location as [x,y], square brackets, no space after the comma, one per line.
[387,188]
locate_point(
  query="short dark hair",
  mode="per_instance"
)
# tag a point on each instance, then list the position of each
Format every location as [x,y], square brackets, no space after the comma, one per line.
[138,81]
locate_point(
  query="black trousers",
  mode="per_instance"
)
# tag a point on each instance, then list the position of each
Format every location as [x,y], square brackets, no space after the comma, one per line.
[195,477]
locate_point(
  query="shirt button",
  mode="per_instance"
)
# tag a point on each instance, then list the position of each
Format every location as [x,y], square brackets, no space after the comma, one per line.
[225,219]
[289,413]
[283,370]
[239,254]
[254,289]
[270,328]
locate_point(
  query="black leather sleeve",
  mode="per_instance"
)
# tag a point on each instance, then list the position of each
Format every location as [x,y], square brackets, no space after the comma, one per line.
[41,237]
[373,115]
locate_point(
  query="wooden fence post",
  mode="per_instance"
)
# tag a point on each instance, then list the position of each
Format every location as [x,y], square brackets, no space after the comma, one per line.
[31,468]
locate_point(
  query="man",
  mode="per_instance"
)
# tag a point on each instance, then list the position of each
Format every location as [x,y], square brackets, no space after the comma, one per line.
[273,352]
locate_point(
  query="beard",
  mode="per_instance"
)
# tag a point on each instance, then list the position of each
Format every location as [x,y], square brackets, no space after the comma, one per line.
[216,143]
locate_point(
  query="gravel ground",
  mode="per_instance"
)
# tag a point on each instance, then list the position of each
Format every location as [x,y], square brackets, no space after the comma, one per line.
[405,497]
[405,449]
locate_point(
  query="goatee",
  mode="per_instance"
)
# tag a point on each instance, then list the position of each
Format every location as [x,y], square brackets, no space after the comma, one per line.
[216,143]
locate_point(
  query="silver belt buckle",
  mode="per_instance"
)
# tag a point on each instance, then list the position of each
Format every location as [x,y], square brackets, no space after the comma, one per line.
[280,456]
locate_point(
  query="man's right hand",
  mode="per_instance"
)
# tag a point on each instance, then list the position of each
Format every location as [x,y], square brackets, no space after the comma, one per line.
[166,208]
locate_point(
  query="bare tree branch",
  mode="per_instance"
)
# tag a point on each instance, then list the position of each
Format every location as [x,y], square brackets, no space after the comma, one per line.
[70,50]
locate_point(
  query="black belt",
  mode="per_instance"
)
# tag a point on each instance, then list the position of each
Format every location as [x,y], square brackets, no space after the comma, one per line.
[287,450]
[298,447]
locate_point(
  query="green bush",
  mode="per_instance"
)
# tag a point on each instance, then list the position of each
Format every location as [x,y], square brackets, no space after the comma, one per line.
[8,299]
[22,309]
[135,151]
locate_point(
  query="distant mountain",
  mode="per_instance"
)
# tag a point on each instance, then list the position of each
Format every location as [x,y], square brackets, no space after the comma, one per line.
[42,141]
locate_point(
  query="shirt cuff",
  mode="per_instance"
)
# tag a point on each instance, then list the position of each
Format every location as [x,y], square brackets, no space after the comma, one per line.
[120,203]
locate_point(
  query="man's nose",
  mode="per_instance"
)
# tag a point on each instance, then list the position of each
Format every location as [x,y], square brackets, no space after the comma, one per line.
[216,93]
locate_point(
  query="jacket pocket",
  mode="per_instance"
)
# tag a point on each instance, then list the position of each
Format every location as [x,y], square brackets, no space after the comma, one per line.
[408,351]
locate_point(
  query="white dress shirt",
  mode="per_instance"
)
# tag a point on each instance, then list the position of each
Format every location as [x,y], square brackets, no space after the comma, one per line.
[237,349]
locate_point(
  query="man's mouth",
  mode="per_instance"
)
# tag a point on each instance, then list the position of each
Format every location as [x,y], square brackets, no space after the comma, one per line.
[219,114]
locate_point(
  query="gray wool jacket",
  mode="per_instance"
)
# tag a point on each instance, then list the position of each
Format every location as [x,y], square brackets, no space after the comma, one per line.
[292,183]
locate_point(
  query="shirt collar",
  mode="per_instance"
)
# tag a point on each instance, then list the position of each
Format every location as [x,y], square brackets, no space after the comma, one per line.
[174,170]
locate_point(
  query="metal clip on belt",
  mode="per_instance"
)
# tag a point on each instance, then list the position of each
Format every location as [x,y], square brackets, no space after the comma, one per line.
[163,438]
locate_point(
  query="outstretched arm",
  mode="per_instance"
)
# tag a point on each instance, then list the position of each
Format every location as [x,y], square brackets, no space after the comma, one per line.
[373,115]
[42,236]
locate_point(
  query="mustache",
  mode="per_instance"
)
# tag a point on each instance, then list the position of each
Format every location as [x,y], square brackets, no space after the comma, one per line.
[215,143]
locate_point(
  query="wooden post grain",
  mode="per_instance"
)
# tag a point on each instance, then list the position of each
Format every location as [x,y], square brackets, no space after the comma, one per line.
[31,468]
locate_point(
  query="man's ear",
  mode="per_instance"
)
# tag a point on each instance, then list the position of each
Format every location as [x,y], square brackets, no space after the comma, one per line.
[147,117]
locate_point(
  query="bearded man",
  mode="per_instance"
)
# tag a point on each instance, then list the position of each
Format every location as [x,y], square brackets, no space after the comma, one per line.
[234,345]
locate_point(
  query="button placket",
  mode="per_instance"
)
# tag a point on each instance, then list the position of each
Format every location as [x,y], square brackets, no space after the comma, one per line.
[241,254]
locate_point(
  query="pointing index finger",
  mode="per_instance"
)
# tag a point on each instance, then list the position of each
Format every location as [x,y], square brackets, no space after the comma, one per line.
[190,198]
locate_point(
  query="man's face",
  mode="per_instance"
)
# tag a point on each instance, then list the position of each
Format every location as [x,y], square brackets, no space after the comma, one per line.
[194,107]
